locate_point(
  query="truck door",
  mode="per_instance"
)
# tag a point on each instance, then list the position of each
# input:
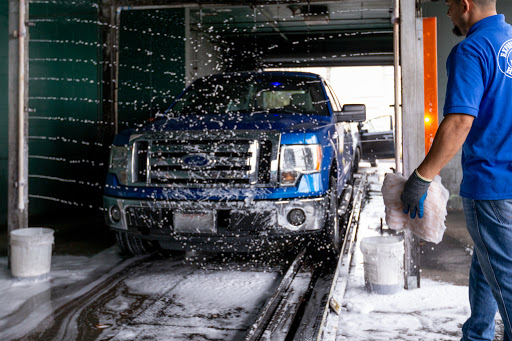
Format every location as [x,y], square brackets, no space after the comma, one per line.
[344,137]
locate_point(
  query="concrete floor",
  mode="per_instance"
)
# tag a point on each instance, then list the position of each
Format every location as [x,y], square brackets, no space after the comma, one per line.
[449,261]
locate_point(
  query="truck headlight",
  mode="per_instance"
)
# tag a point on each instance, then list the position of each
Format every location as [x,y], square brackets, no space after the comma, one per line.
[119,163]
[298,159]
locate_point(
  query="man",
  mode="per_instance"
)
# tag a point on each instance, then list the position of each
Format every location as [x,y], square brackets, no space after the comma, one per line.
[478,118]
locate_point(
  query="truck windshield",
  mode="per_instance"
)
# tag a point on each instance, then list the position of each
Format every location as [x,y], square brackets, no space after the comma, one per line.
[235,94]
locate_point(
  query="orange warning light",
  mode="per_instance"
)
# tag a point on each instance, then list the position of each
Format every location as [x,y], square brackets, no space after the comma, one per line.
[430,80]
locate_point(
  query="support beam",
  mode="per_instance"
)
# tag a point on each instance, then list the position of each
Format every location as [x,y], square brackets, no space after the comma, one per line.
[398,87]
[18,117]
[273,23]
[321,60]
[244,3]
[411,41]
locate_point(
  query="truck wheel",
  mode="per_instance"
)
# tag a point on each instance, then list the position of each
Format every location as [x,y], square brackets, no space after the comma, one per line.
[333,236]
[133,246]
[357,159]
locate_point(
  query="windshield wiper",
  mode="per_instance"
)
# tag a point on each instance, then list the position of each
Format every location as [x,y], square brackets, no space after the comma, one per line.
[278,111]
[192,112]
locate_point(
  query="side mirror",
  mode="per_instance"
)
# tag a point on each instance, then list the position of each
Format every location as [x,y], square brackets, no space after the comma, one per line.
[351,113]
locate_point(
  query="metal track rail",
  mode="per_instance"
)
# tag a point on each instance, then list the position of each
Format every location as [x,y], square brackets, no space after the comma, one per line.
[322,301]
[281,307]
[301,306]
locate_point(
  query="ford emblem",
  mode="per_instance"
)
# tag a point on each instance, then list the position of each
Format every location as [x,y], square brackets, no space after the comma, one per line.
[197,160]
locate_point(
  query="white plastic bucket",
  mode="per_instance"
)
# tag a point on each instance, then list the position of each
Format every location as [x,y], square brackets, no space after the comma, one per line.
[31,251]
[383,264]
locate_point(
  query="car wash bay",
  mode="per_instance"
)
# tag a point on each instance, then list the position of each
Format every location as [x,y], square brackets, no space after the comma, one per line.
[93,69]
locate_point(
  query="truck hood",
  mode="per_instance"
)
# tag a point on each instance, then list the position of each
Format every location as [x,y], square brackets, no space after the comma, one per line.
[277,122]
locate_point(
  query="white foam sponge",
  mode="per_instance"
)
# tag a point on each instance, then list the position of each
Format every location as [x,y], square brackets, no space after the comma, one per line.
[431,227]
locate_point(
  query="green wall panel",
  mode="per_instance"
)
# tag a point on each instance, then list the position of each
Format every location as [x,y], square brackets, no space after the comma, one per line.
[66,158]
[151,62]
[64,98]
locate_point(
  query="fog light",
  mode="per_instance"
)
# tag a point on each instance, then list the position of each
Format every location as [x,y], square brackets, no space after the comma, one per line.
[289,178]
[296,217]
[115,214]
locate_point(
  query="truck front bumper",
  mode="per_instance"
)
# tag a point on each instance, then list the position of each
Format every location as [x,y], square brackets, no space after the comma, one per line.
[218,225]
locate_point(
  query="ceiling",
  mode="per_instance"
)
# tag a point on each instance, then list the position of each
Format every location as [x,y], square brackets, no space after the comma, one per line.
[328,33]
[288,32]
[296,18]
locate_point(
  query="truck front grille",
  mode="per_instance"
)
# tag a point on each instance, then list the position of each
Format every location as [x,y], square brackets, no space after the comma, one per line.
[191,162]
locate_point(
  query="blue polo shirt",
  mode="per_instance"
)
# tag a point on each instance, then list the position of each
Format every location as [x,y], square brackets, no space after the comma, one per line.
[480,84]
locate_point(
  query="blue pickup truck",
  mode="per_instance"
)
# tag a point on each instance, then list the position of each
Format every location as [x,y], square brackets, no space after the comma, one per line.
[240,161]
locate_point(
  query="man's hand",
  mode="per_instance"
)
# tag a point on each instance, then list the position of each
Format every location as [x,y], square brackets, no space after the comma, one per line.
[414,194]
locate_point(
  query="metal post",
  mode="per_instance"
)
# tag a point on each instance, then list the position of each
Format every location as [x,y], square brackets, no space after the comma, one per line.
[397,104]
[18,128]
[411,47]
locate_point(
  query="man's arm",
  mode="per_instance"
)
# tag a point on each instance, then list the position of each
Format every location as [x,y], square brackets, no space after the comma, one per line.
[449,139]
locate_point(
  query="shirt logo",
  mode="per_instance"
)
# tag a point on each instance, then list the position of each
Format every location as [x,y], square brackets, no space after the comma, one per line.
[505,58]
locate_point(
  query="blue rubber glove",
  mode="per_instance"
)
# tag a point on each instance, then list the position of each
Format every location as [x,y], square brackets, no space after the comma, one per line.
[414,194]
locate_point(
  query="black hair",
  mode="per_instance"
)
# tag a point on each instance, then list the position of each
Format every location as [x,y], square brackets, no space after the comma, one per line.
[482,3]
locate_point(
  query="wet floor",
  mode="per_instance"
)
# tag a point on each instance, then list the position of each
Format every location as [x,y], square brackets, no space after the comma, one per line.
[449,261]
[198,297]
[203,297]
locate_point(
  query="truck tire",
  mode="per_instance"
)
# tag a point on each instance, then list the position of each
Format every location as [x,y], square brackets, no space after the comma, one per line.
[357,159]
[133,246]
[332,238]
